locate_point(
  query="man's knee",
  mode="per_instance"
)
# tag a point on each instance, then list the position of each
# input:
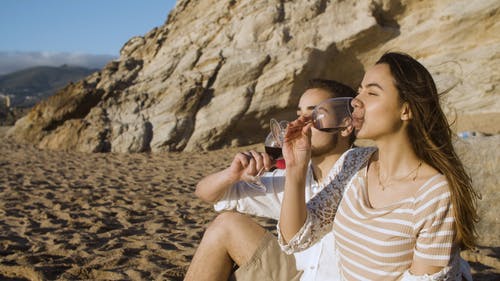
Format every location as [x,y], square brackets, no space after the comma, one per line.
[225,223]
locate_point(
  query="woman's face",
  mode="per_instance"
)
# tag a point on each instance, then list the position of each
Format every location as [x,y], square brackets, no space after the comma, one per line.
[377,107]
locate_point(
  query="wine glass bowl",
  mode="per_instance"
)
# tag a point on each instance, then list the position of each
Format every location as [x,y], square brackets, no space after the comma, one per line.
[272,146]
[274,140]
[278,129]
[333,115]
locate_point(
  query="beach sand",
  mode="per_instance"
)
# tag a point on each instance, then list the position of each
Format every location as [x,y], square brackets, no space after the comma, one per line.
[81,216]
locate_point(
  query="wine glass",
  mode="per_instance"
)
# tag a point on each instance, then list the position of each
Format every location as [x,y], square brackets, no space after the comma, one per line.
[274,140]
[333,115]
[272,145]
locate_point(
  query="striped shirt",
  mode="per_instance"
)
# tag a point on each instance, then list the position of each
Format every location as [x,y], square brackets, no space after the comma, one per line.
[381,243]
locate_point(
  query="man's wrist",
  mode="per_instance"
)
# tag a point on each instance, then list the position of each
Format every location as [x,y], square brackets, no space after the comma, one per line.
[231,177]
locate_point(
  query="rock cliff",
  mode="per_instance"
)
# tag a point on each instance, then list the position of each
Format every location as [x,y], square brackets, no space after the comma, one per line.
[216,71]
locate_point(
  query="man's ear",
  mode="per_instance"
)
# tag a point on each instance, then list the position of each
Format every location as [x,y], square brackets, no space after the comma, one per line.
[406,114]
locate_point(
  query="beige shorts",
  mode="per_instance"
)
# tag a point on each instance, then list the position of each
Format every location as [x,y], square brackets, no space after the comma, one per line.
[268,263]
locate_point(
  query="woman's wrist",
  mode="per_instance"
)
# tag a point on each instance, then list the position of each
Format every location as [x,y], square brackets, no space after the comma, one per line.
[300,168]
[296,175]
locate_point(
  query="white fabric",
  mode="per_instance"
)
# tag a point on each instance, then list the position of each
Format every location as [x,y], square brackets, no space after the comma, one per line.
[458,270]
[318,261]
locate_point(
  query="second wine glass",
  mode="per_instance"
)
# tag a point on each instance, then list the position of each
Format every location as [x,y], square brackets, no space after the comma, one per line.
[274,140]
[272,145]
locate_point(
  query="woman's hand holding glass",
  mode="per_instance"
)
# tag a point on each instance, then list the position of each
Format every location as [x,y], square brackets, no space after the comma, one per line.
[297,143]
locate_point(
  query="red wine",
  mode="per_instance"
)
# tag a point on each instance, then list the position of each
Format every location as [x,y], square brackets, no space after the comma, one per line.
[274,152]
[332,130]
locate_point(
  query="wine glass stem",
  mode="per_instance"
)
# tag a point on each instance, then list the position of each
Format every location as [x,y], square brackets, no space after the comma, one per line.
[260,172]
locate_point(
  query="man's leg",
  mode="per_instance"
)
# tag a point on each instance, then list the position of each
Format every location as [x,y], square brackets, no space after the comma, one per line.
[230,237]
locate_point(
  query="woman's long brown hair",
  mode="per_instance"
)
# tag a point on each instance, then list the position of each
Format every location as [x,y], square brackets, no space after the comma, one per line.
[431,138]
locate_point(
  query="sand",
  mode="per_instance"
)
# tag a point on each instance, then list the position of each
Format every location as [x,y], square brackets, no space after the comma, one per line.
[80,216]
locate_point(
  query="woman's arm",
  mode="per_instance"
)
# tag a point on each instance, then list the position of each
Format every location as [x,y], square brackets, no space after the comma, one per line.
[293,209]
[297,152]
[434,228]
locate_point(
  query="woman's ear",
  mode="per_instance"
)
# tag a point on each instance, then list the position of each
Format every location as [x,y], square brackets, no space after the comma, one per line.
[406,114]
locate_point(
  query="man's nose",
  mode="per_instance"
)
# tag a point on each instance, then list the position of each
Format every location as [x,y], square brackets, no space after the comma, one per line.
[356,103]
[306,114]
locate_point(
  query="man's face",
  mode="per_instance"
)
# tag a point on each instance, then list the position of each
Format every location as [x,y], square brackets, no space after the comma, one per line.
[321,142]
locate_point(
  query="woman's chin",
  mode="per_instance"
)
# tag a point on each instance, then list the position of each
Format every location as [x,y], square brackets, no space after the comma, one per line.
[360,134]
[358,130]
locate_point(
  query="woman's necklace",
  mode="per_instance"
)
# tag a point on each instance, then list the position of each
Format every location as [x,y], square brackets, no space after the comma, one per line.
[383,186]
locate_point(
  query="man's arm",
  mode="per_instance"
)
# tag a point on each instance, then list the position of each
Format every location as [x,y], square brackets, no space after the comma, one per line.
[244,165]
[211,188]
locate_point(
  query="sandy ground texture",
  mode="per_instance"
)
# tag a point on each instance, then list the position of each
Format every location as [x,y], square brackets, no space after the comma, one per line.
[76,216]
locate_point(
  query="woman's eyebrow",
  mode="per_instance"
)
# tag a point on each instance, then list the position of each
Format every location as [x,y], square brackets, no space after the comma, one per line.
[376,85]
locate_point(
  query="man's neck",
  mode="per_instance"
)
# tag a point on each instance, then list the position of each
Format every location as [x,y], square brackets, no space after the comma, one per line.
[322,164]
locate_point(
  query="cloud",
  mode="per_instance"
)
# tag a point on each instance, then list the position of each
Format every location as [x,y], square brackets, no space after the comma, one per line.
[13,61]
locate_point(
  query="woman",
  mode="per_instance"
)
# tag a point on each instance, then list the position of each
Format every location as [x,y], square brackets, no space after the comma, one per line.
[407,213]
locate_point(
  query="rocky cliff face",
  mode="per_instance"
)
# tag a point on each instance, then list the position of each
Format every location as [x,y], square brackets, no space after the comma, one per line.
[216,71]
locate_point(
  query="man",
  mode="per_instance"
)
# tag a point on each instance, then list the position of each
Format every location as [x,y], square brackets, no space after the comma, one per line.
[234,237]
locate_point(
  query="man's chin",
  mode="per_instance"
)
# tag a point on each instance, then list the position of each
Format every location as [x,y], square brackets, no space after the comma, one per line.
[315,152]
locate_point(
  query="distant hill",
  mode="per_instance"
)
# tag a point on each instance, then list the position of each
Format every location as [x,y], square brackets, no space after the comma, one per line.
[26,87]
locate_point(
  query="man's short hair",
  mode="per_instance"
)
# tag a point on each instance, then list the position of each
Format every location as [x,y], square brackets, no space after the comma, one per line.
[335,88]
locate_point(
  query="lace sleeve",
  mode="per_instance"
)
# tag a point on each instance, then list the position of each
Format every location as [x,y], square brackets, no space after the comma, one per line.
[321,209]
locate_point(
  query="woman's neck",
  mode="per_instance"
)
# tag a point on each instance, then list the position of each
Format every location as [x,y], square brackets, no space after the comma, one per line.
[396,156]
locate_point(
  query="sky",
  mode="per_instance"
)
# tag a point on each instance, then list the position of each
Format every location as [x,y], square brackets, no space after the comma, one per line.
[80,31]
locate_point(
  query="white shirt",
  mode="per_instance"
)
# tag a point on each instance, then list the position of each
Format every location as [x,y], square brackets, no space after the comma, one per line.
[318,262]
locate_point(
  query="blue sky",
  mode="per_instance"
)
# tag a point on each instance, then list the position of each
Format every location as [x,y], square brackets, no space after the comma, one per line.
[84,26]
[90,27]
